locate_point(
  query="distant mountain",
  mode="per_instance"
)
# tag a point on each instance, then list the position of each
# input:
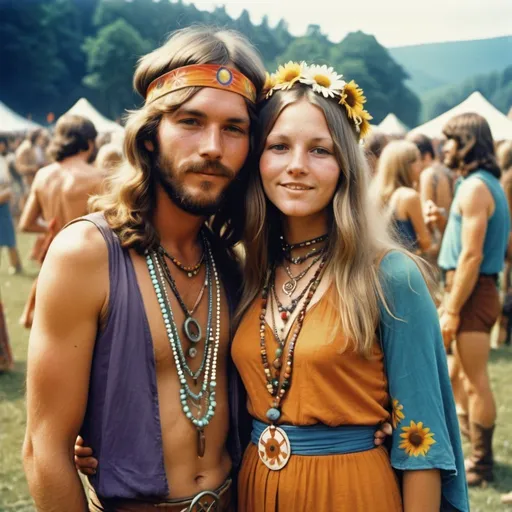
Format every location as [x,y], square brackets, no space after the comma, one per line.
[439,64]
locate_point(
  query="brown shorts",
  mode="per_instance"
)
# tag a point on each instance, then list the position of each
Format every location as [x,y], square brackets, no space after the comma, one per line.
[482,309]
[202,502]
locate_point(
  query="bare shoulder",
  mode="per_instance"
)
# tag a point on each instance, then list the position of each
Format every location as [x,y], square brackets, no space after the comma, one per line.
[474,194]
[427,175]
[409,195]
[45,173]
[79,245]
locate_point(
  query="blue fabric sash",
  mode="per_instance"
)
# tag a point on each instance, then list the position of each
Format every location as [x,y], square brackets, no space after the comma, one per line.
[321,439]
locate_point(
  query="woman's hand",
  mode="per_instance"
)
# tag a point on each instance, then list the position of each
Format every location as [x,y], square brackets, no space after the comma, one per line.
[380,436]
[84,461]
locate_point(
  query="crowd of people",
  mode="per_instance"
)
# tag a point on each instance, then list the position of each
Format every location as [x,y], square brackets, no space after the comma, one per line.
[251,306]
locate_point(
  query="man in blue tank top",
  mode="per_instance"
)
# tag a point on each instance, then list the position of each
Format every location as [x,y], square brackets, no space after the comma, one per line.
[472,255]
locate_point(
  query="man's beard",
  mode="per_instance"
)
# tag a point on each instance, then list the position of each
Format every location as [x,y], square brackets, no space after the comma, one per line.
[177,193]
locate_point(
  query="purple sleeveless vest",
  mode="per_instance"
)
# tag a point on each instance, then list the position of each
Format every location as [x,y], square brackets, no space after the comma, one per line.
[122,421]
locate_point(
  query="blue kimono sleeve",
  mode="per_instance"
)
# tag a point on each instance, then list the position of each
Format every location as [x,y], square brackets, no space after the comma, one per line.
[425,427]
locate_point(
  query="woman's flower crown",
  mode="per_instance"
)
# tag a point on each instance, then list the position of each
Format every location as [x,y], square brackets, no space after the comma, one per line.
[327,82]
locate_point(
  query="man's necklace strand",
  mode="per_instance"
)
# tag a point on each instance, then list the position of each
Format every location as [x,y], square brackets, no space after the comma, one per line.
[209,380]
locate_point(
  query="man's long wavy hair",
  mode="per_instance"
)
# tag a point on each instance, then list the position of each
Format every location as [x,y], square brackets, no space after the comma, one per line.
[357,239]
[475,145]
[130,200]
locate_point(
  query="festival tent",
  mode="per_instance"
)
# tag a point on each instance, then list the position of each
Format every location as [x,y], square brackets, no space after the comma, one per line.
[391,125]
[103,125]
[501,126]
[10,122]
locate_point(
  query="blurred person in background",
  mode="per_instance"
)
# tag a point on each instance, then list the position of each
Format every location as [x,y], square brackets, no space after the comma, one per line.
[6,359]
[472,255]
[504,157]
[374,143]
[394,187]
[30,156]
[435,185]
[61,190]
[109,157]
[7,233]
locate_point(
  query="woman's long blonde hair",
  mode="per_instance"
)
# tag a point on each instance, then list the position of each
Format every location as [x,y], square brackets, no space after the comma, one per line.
[356,244]
[129,204]
[394,170]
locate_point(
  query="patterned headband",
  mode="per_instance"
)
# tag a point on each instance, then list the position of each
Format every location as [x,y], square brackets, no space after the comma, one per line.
[202,75]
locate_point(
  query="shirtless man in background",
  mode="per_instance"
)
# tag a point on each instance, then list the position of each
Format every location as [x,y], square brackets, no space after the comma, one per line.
[60,191]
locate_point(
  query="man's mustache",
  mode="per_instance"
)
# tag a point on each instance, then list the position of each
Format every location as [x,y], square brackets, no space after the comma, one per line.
[211,167]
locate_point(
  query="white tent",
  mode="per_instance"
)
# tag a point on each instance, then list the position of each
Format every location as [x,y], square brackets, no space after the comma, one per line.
[103,125]
[501,126]
[10,122]
[391,125]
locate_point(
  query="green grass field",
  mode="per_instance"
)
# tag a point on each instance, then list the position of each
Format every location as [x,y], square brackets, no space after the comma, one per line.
[14,494]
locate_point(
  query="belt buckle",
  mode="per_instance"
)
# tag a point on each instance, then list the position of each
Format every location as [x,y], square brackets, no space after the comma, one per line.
[201,502]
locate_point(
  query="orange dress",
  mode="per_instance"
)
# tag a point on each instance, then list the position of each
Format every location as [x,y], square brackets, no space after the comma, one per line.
[330,386]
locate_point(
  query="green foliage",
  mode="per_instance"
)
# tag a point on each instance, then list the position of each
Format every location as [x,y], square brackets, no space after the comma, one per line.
[496,87]
[49,66]
[112,56]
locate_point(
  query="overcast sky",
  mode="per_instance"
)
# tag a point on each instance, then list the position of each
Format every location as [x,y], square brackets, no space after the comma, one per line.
[392,22]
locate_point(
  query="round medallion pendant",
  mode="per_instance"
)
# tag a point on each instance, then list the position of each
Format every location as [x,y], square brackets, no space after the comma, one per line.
[192,330]
[289,287]
[274,448]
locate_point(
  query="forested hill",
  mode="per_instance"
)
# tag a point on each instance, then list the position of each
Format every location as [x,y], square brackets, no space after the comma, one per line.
[56,51]
[440,64]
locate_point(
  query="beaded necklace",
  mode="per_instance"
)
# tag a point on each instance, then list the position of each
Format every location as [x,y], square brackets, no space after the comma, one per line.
[273,437]
[300,245]
[190,271]
[209,384]
[290,286]
[287,249]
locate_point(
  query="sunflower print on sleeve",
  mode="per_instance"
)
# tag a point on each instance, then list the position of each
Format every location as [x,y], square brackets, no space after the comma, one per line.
[416,439]
[397,414]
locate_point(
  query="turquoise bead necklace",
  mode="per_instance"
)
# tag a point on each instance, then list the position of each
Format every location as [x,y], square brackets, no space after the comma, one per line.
[209,384]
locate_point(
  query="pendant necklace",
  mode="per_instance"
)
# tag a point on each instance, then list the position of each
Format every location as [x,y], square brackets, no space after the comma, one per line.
[290,286]
[274,445]
[207,394]
[191,326]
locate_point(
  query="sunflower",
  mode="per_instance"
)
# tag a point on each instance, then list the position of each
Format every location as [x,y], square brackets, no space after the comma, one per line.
[416,439]
[352,98]
[364,125]
[270,82]
[324,80]
[396,414]
[288,74]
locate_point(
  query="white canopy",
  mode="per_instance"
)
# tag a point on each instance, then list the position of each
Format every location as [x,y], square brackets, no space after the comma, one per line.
[501,126]
[10,122]
[103,125]
[391,125]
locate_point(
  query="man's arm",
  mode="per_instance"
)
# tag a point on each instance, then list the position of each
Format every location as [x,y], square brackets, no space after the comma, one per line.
[475,203]
[72,289]
[31,220]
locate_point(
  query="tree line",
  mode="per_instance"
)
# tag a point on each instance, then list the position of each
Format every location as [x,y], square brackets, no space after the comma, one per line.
[56,51]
